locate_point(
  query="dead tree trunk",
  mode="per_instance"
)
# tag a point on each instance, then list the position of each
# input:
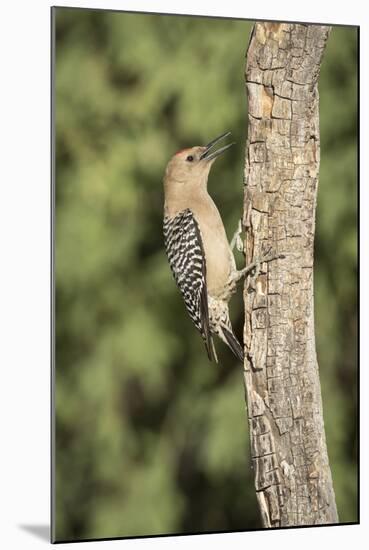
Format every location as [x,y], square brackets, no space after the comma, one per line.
[292,474]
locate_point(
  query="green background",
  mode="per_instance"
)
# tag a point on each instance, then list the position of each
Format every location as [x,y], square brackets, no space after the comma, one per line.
[150,437]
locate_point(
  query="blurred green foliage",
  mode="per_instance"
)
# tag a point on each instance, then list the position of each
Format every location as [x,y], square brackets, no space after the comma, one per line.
[150,437]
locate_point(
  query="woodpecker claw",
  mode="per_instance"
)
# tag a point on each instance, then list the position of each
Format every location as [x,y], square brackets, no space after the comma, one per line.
[239,244]
[237,240]
[255,265]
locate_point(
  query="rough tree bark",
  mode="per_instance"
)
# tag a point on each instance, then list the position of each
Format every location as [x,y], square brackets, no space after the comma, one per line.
[289,455]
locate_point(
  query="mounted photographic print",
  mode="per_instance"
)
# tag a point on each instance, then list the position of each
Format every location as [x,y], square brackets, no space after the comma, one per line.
[205,350]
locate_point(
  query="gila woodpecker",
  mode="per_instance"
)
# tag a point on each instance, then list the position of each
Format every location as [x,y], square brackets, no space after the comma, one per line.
[197,247]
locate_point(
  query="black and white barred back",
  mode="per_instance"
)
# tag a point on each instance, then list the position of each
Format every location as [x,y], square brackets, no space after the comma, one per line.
[186,257]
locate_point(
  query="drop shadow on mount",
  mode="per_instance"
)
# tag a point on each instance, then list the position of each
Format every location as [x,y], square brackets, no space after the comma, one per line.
[40,531]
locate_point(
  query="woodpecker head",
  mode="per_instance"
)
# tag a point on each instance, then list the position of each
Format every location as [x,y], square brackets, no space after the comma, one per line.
[189,168]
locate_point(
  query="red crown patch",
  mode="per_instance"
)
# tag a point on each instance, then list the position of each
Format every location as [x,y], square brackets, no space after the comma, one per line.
[181,151]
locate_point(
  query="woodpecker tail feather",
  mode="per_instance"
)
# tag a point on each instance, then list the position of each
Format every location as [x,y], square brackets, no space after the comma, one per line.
[220,324]
[210,349]
[233,343]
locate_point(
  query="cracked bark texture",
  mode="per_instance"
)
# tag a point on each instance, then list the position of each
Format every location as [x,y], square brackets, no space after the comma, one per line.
[289,454]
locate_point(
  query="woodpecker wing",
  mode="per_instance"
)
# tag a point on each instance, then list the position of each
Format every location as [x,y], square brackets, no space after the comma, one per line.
[187,261]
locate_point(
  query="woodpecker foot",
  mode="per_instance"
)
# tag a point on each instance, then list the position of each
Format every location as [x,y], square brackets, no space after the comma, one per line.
[255,265]
[237,240]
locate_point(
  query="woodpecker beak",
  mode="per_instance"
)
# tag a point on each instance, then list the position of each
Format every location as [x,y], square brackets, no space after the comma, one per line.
[208,154]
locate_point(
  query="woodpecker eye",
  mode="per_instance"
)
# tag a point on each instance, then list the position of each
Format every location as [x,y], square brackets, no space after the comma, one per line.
[189,158]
